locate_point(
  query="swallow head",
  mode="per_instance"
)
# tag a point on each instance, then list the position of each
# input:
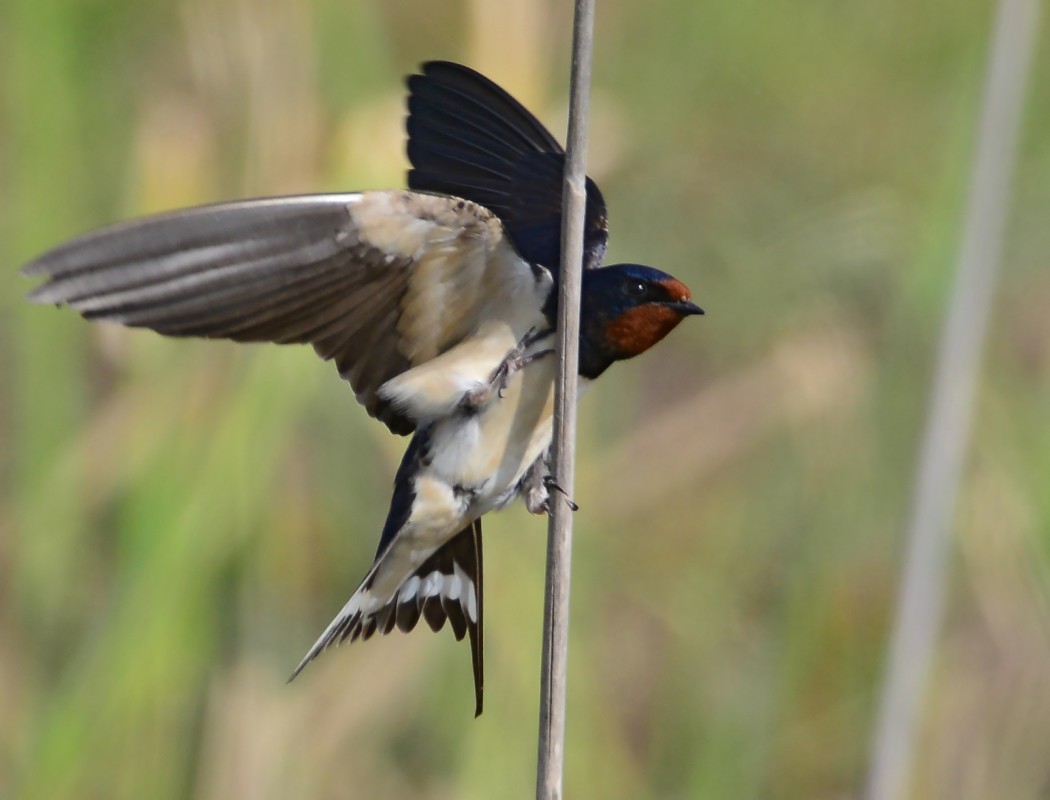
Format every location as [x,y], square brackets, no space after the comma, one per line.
[626,309]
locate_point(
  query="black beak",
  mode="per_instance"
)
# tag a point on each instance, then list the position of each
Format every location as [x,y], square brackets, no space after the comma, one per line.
[685,307]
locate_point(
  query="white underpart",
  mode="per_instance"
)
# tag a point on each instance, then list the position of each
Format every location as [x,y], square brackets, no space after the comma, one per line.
[431,585]
[453,585]
[469,600]
[409,589]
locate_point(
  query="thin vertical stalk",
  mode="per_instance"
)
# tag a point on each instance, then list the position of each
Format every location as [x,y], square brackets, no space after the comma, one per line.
[550,765]
[947,430]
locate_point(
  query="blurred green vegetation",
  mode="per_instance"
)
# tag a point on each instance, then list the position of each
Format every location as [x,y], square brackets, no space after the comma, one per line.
[178,520]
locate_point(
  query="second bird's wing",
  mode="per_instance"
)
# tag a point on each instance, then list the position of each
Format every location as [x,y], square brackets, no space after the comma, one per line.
[378,282]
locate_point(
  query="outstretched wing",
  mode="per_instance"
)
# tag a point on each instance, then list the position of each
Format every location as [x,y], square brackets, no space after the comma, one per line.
[378,282]
[468,137]
[446,587]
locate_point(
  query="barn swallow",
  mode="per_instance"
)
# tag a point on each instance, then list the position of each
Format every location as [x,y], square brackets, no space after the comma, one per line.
[437,305]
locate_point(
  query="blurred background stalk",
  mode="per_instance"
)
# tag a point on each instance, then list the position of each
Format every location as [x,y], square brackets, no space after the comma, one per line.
[947,433]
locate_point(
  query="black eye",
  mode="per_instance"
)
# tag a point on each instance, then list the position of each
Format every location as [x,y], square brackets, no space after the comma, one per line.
[635,288]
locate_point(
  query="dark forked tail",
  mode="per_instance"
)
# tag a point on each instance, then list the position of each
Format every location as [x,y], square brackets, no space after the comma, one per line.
[446,587]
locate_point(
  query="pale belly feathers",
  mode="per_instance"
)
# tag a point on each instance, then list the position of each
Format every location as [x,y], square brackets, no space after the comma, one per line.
[472,464]
[485,454]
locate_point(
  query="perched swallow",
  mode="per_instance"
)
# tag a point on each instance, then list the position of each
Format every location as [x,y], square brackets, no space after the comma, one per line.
[438,305]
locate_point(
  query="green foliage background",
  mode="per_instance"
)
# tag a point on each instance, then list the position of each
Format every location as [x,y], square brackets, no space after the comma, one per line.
[178,520]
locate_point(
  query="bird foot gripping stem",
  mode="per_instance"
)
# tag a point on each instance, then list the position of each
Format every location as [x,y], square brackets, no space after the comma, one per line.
[549,483]
[515,361]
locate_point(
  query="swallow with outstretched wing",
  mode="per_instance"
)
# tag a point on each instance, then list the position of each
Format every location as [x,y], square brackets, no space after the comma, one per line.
[436,304]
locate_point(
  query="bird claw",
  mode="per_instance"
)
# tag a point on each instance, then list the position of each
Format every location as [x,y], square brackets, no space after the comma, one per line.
[549,483]
[537,486]
[515,361]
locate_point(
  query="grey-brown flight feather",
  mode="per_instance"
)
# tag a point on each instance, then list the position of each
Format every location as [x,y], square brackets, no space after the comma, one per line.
[333,271]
